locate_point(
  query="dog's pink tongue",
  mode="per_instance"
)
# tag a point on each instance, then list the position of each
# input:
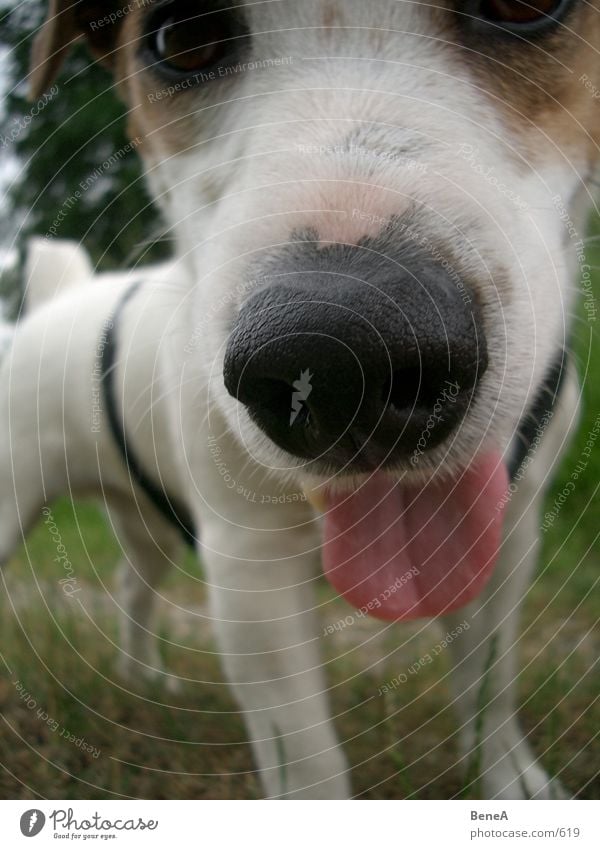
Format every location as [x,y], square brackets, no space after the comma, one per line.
[403,551]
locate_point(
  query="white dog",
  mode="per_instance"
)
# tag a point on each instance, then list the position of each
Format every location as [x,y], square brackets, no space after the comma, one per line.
[375,209]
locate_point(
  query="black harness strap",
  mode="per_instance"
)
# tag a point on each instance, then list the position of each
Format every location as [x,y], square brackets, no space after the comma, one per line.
[175,512]
[543,404]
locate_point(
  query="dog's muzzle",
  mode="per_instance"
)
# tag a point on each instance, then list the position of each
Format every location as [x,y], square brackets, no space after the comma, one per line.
[355,365]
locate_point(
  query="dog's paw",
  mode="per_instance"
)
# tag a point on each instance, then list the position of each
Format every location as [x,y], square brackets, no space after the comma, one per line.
[506,782]
[511,771]
[324,777]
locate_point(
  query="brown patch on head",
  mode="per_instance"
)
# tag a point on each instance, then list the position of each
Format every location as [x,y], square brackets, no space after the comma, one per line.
[158,115]
[165,103]
[547,89]
[96,21]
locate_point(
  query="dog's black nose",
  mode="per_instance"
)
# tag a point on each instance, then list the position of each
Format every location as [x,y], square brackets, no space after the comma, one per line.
[360,365]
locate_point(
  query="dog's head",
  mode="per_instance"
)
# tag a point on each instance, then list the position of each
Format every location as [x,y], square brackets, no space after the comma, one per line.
[381,204]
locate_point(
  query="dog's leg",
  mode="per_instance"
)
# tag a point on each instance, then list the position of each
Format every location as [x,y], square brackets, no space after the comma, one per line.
[16,516]
[485,655]
[267,629]
[25,482]
[261,563]
[147,556]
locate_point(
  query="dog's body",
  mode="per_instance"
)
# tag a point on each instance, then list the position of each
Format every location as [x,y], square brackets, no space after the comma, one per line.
[323,209]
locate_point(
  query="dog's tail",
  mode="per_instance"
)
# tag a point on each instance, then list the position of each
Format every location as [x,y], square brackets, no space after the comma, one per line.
[51,267]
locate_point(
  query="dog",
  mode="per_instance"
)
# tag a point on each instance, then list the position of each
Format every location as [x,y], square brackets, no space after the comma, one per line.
[359,351]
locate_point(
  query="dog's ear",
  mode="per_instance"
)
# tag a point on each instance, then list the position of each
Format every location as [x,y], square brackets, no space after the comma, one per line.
[68,21]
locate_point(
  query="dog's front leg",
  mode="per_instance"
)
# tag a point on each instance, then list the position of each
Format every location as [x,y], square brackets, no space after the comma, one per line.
[486,646]
[261,562]
[498,761]
[265,622]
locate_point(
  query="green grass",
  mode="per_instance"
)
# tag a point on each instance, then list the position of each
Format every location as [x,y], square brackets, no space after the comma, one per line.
[193,746]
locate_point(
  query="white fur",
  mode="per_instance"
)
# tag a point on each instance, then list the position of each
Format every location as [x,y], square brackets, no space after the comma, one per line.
[243,186]
[53,266]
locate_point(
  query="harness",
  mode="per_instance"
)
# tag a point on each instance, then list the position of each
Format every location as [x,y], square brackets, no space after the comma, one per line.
[177,513]
[170,508]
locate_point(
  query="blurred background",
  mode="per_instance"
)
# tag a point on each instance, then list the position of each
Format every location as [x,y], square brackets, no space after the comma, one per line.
[68,728]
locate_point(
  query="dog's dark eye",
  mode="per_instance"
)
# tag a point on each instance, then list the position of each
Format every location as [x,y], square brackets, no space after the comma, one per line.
[523,15]
[182,40]
[184,46]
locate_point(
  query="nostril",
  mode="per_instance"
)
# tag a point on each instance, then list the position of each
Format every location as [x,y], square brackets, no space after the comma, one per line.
[270,392]
[414,391]
[404,388]
[281,400]
[301,418]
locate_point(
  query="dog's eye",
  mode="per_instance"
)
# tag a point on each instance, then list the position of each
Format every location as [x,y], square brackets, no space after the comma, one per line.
[181,46]
[523,15]
[183,41]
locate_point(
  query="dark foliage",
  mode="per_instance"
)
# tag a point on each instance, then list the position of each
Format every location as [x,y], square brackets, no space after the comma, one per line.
[79,176]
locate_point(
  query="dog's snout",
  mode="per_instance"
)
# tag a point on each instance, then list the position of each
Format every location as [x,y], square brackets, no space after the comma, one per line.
[357,370]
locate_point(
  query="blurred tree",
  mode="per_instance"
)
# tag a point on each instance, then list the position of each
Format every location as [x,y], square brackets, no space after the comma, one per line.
[78,176]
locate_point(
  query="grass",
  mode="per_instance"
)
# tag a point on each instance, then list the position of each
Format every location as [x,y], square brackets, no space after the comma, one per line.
[60,654]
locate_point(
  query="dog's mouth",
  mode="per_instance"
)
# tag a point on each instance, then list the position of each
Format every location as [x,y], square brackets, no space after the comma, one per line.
[402,551]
